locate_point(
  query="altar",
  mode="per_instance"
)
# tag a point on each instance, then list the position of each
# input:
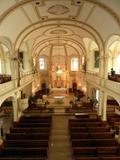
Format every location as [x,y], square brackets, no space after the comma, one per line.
[58,90]
[59,99]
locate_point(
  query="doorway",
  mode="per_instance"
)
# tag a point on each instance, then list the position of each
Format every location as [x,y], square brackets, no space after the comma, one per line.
[43,88]
[74,87]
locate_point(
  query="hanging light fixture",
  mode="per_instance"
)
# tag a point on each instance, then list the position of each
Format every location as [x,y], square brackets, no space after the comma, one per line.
[59,70]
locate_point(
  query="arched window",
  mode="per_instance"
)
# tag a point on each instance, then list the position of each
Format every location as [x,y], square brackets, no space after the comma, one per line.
[34,62]
[42,63]
[74,64]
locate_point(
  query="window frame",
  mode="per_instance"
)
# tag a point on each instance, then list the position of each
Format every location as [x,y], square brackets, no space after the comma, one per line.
[40,63]
[74,64]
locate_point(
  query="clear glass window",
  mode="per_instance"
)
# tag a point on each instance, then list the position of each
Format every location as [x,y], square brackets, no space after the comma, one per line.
[42,63]
[74,64]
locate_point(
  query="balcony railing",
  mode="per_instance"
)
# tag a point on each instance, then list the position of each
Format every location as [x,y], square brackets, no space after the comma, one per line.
[112,85]
[103,83]
[6,87]
[26,79]
[12,85]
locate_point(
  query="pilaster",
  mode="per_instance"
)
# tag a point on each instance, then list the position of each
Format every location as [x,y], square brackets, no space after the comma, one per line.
[100,103]
[16,106]
[104,112]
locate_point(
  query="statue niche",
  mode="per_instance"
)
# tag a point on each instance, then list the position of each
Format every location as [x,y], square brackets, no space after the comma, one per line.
[59,82]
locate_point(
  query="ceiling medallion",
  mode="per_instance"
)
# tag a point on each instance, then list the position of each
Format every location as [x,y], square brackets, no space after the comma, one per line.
[58,9]
[58,31]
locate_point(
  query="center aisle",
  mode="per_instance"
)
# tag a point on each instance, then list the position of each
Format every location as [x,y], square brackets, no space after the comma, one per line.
[60,147]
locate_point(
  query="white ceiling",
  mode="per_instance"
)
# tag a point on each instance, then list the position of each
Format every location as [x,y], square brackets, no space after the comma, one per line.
[51,24]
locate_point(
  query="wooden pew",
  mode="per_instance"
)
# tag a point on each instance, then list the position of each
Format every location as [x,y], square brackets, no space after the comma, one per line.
[82,135]
[84,151]
[41,109]
[81,142]
[30,130]
[78,129]
[113,118]
[30,116]
[95,151]
[29,136]
[84,120]
[32,125]
[98,129]
[102,135]
[35,119]
[105,142]
[94,142]
[108,151]
[23,152]
[87,124]
[95,135]
[89,129]
[26,143]
[28,139]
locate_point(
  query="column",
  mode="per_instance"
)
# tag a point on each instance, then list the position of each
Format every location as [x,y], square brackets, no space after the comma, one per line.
[88,93]
[27,61]
[104,113]
[50,68]
[15,110]
[101,67]
[14,64]
[87,63]
[67,79]
[7,66]
[100,103]
[106,59]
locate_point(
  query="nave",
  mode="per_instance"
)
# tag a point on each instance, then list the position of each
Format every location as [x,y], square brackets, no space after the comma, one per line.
[43,135]
[68,45]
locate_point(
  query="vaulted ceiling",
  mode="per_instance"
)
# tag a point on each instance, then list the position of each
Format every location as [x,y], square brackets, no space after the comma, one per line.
[49,25]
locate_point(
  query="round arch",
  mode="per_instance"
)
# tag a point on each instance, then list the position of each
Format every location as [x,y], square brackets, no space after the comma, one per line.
[6,97]
[87,28]
[114,101]
[7,42]
[112,51]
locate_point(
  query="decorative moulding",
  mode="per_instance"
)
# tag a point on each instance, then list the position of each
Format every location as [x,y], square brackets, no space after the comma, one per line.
[58,9]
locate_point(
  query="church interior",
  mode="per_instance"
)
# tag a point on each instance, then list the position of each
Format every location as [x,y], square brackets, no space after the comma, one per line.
[60,79]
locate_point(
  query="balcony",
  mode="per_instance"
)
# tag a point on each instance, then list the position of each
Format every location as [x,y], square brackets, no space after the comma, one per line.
[26,79]
[7,87]
[112,85]
[105,84]
[11,86]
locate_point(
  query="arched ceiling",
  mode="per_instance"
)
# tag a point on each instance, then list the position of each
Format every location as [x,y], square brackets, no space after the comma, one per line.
[49,25]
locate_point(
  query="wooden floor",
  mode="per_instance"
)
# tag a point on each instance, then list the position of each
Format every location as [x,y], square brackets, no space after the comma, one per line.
[60,146]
